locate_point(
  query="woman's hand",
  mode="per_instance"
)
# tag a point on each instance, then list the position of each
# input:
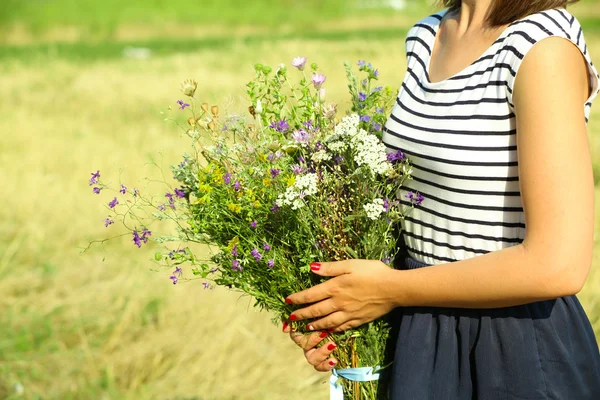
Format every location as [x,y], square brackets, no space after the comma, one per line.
[317,357]
[359,292]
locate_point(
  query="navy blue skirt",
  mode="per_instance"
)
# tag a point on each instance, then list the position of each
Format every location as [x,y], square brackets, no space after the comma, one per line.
[537,351]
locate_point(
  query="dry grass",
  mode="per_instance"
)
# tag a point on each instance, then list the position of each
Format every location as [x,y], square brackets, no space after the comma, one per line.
[79,327]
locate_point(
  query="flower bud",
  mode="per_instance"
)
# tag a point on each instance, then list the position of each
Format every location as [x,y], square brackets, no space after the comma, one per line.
[188,87]
[214,110]
[258,109]
[322,95]
[329,111]
[212,125]
[205,107]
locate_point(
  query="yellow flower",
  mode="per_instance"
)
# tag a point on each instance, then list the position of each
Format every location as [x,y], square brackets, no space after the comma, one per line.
[267,181]
[262,157]
[257,204]
[233,242]
[236,208]
[291,179]
[205,188]
[204,199]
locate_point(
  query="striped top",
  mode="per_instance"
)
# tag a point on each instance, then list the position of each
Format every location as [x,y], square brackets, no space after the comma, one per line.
[460,134]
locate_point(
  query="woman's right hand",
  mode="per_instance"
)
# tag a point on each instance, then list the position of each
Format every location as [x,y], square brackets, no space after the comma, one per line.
[318,357]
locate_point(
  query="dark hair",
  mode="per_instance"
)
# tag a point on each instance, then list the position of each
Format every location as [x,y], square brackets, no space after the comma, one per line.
[503,12]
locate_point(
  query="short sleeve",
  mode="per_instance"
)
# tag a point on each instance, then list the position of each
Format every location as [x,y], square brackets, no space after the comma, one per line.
[528,31]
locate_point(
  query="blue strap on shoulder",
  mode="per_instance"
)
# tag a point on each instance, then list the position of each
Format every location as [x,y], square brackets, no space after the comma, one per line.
[363,374]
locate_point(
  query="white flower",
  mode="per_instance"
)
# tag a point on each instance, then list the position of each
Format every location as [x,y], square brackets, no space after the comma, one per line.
[337,146]
[321,155]
[348,126]
[374,209]
[258,109]
[305,185]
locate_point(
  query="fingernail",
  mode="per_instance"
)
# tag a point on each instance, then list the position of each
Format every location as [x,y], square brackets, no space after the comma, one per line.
[331,362]
[285,325]
[331,346]
[323,334]
[315,266]
[310,327]
[288,301]
[293,317]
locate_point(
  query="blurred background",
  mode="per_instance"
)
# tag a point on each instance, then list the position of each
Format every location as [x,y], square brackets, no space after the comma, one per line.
[82,87]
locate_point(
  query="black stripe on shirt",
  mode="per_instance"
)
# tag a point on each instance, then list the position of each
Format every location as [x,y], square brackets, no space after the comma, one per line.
[427,27]
[460,90]
[464,234]
[453,103]
[466,178]
[456,117]
[458,162]
[453,132]
[465,191]
[442,244]
[462,205]
[555,22]
[540,26]
[418,39]
[414,251]
[481,72]
[467,221]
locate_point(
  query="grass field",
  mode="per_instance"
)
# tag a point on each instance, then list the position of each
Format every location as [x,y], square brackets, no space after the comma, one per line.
[103,325]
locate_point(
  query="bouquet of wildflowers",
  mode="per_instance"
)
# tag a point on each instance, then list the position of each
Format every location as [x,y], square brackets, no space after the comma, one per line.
[277,188]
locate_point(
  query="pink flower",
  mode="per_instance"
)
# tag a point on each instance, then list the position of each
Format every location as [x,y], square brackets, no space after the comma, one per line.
[299,62]
[318,79]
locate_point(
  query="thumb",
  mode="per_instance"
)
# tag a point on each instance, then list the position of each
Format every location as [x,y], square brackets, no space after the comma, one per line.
[334,268]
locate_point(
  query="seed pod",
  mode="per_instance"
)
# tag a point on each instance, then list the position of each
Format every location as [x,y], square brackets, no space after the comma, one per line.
[252,111]
[205,107]
[191,121]
[214,110]
[212,125]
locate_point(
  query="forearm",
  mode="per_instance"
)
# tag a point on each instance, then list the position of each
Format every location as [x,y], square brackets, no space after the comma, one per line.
[503,278]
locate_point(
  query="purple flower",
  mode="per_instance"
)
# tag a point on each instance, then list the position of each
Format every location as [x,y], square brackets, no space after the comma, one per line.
[379,110]
[301,136]
[362,96]
[234,251]
[171,200]
[253,224]
[182,104]
[178,272]
[365,118]
[299,62]
[338,159]
[301,195]
[274,172]
[235,265]
[361,63]
[281,126]
[179,193]
[386,205]
[278,155]
[213,270]
[183,163]
[256,254]
[113,203]
[267,247]
[296,169]
[377,89]
[416,199]
[395,156]
[206,285]
[135,192]
[174,279]
[172,254]
[376,73]
[96,190]
[386,260]
[271,157]
[377,127]
[94,178]
[136,239]
[275,208]
[123,189]
[108,222]
[227,178]
[271,263]
[237,185]
[145,234]
[301,160]
[318,79]
[309,125]
[161,207]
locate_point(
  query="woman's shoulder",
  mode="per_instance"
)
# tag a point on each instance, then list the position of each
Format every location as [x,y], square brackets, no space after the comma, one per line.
[426,25]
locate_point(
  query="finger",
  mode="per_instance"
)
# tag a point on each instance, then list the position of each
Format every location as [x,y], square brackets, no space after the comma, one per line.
[308,341]
[335,268]
[320,309]
[326,365]
[347,326]
[317,355]
[312,295]
[331,321]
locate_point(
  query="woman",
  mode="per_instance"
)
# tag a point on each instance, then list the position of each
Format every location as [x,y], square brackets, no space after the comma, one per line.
[486,308]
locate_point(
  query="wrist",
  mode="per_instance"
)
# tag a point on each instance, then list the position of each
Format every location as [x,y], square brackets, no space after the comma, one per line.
[393,288]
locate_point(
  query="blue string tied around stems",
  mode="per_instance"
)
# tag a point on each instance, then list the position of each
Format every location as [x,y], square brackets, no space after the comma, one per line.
[363,374]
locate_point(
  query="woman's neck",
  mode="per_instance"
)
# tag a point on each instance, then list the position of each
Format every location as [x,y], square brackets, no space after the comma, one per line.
[472,14]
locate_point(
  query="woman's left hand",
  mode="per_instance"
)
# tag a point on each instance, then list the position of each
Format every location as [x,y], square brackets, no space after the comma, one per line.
[359,292]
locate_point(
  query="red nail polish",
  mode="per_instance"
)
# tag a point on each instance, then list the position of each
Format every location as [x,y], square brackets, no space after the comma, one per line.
[323,335]
[310,327]
[331,362]
[293,317]
[285,325]
[331,346]
[288,301]
[315,266]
